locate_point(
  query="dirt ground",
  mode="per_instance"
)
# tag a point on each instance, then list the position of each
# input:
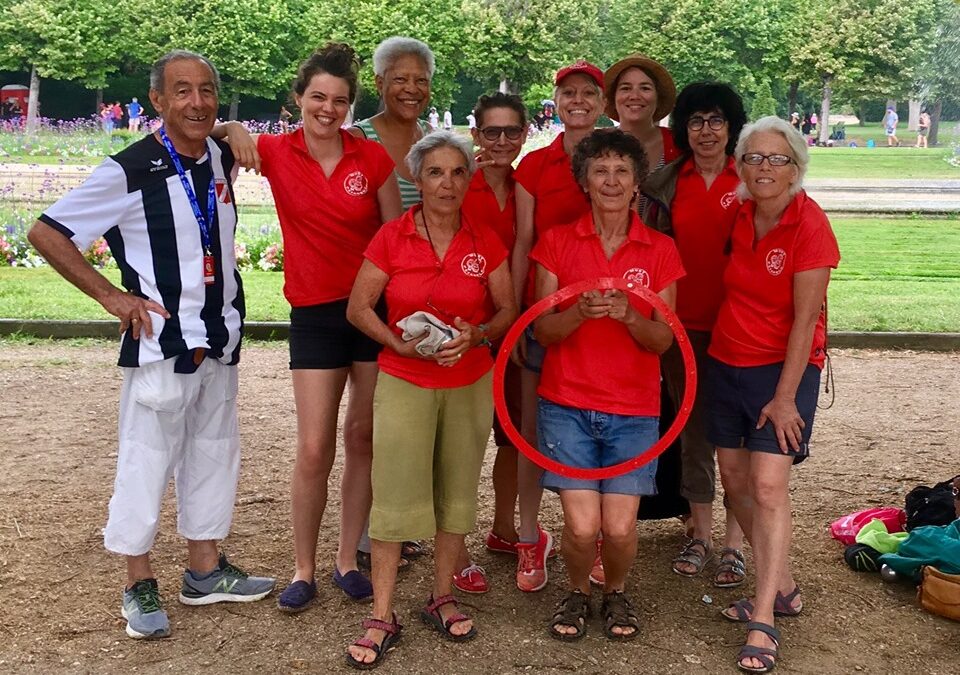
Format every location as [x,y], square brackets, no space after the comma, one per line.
[889,429]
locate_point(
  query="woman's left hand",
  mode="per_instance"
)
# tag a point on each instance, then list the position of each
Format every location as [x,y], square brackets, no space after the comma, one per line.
[620,307]
[787,423]
[451,353]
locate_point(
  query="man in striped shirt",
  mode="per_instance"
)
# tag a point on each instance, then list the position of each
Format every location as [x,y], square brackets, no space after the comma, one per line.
[165,207]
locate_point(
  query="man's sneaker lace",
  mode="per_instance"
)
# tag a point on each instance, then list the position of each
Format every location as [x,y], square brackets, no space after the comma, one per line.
[143,612]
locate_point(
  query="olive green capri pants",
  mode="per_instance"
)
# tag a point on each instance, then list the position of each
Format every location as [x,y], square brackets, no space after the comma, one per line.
[428,447]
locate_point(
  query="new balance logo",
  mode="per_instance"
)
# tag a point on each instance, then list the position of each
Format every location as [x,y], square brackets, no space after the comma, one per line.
[225,585]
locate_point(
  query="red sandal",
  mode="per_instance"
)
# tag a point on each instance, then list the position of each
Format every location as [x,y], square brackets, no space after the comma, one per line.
[432,617]
[392,631]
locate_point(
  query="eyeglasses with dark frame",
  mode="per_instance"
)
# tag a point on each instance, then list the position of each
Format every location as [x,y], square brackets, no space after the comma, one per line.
[756,159]
[715,122]
[512,133]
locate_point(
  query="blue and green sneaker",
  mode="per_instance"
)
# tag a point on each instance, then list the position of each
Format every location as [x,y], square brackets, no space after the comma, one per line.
[224,584]
[141,608]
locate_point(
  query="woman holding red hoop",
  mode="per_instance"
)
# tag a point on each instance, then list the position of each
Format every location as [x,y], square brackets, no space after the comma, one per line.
[600,386]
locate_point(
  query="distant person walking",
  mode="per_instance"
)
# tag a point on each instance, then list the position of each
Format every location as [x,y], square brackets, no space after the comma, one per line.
[433,119]
[890,121]
[106,117]
[447,120]
[923,128]
[134,111]
[285,117]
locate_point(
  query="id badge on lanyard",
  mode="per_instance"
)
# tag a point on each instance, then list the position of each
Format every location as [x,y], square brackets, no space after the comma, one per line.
[209,262]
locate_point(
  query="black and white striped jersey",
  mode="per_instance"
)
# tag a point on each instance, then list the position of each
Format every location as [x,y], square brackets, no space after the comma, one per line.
[135,200]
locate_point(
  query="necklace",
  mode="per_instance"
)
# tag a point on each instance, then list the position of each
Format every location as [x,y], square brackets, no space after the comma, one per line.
[426,228]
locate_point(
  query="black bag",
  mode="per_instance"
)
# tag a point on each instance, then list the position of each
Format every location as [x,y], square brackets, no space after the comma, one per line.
[930,505]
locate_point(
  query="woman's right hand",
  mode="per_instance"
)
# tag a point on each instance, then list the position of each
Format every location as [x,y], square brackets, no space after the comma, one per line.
[243,145]
[408,348]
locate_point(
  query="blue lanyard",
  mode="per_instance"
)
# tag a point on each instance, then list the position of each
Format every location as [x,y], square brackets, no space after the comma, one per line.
[191,195]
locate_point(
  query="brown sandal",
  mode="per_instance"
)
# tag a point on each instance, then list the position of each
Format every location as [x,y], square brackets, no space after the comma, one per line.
[731,563]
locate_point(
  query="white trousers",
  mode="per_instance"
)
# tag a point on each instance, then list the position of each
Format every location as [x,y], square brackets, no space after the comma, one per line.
[175,425]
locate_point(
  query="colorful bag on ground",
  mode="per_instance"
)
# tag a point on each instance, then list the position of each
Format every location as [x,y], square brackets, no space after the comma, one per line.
[940,593]
[845,529]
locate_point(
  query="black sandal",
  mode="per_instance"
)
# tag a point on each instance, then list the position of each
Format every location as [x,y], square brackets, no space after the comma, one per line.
[392,634]
[572,611]
[618,613]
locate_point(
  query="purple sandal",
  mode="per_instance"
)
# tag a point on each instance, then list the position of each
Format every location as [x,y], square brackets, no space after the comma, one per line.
[782,606]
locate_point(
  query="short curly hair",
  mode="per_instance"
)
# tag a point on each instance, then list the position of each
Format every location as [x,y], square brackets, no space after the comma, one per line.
[703,97]
[609,142]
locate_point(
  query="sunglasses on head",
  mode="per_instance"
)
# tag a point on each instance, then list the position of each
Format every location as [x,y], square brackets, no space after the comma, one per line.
[493,133]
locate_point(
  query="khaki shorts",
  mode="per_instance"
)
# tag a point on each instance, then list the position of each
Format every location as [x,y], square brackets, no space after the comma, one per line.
[698,482]
[428,447]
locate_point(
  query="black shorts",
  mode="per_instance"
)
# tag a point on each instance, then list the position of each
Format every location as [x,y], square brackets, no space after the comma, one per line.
[321,338]
[735,397]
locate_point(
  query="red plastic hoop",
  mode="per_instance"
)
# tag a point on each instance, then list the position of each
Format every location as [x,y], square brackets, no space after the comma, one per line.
[515,333]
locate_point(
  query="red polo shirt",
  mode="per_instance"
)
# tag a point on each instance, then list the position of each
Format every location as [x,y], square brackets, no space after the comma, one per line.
[600,366]
[455,287]
[702,222]
[757,313]
[547,174]
[670,150]
[481,206]
[326,222]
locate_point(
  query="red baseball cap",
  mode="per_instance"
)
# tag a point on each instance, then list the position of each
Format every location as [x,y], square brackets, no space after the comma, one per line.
[581,66]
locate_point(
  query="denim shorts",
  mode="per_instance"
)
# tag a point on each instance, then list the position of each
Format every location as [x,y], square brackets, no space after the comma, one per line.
[735,397]
[535,351]
[588,439]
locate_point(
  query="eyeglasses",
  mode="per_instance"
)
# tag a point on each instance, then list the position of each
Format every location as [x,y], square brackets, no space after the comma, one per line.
[493,133]
[715,122]
[756,159]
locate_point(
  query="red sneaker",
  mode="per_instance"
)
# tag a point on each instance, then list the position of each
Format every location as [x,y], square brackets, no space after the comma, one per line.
[532,563]
[497,544]
[597,575]
[471,579]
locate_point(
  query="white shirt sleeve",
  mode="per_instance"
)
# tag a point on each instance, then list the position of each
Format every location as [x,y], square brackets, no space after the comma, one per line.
[98,204]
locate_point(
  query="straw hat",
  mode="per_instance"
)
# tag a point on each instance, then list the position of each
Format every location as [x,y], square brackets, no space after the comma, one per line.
[666,89]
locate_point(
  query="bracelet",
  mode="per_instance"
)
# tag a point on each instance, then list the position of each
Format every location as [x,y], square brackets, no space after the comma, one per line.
[484,340]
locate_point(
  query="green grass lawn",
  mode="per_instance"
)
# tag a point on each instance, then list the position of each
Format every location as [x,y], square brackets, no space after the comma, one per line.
[897,274]
[881,162]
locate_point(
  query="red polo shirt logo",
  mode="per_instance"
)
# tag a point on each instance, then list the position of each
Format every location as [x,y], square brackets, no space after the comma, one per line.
[776,261]
[637,275]
[356,184]
[728,199]
[473,265]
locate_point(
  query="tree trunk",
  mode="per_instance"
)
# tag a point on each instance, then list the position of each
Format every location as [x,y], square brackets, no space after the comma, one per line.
[96,107]
[792,97]
[505,86]
[234,106]
[862,113]
[913,117]
[825,111]
[33,101]
[935,122]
